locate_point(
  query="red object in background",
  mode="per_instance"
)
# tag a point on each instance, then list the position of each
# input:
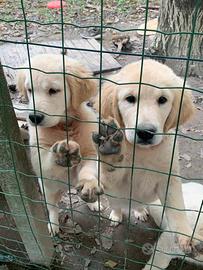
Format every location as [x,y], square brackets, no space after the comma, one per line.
[56,4]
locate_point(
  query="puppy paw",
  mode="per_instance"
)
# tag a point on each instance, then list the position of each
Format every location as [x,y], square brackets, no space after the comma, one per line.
[89,190]
[95,206]
[66,154]
[141,214]
[116,217]
[53,229]
[191,248]
[109,137]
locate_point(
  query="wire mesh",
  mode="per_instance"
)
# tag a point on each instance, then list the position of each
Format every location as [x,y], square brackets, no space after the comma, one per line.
[107,257]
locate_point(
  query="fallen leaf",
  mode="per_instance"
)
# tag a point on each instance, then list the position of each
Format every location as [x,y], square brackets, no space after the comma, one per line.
[188,165]
[78,245]
[198,100]
[194,130]
[134,37]
[93,251]
[90,6]
[201,152]
[151,7]
[70,228]
[111,264]
[97,241]
[185,156]
[78,229]
[107,238]
[184,130]
[112,20]
[107,241]
[87,262]
[59,249]
[66,199]
[73,191]
[63,259]
[68,247]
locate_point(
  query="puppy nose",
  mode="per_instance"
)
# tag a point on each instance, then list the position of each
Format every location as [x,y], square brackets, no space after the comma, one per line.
[36,118]
[146,133]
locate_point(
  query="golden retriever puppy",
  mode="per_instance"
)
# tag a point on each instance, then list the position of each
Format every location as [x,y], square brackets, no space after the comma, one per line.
[150,150]
[167,247]
[59,135]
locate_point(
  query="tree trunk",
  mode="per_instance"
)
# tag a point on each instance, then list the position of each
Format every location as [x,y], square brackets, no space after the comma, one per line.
[180,16]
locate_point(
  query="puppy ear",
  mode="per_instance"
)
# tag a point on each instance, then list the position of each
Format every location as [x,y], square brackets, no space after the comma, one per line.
[109,102]
[81,88]
[20,84]
[187,109]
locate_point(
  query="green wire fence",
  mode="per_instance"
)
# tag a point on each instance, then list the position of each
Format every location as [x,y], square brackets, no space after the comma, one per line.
[26,243]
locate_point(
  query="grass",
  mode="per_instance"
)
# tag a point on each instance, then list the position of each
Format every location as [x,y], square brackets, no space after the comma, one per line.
[38,9]
[81,12]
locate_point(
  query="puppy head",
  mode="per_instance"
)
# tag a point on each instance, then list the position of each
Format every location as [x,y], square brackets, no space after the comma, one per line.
[108,105]
[187,109]
[158,108]
[52,93]
[20,83]
[81,83]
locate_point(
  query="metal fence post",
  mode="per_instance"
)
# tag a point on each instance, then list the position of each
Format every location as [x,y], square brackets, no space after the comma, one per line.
[19,185]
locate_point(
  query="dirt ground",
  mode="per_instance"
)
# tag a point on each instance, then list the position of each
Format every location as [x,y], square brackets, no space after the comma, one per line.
[92,244]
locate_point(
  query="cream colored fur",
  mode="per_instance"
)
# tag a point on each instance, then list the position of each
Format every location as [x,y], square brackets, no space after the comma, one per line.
[147,185]
[52,131]
[167,247]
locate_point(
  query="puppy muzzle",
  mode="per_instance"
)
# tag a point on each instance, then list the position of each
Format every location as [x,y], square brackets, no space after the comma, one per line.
[145,134]
[36,118]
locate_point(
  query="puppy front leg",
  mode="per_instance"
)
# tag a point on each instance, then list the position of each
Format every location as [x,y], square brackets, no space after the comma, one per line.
[56,159]
[88,174]
[177,219]
[54,164]
[110,145]
[52,199]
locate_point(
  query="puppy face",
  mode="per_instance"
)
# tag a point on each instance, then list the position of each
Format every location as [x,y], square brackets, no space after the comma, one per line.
[154,108]
[159,102]
[51,94]
[47,97]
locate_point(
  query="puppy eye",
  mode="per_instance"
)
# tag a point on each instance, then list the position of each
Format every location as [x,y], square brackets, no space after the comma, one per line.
[29,90]
[53,91]
[131,99]
[162,100]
